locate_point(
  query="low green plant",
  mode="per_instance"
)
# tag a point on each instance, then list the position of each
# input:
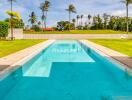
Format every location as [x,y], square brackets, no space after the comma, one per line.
[15,23]
[3,29]
[36,28]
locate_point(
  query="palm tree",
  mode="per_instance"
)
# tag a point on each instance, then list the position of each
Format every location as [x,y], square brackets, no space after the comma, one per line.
[89,17]
[81,20]
[11,17]
[45,8]
[78,17]
[74,21]
[105,17]
[71,9]
[32,18]
[43,22]
[43,15]
[39,23]
[127,2]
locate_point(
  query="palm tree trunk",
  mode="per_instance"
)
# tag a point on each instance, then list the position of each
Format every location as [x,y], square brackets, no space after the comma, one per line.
[32,25]
[77,22]
[81,24]
[42,25]
[45,19]
[88,24]
[43,22]
[127,18]
[74,26]
[81,21]
[11,22]
[69,19]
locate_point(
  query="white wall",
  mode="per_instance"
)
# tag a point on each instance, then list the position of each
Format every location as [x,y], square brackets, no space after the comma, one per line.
[17,33]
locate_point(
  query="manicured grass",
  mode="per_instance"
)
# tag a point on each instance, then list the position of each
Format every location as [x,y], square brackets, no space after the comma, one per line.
[78,32]
[8,47]
[121,45]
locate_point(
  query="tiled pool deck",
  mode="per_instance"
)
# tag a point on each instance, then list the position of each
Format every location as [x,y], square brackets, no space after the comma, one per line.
[104,51]
[14,60]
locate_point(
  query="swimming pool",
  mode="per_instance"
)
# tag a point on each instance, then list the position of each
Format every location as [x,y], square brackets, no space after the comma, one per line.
[67,70]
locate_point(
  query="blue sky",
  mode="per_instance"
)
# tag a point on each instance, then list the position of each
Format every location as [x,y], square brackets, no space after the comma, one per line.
[57,10]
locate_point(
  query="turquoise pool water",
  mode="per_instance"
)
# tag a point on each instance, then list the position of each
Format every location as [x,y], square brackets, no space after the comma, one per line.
[67,70]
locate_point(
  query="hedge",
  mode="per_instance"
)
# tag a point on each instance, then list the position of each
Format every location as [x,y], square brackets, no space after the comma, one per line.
[15,23]
[3,29]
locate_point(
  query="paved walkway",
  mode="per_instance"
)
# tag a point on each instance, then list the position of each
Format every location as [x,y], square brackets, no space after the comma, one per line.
[122,58]
[76,36]
[16,59]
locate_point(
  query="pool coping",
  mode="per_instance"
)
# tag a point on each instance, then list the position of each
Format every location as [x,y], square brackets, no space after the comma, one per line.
[9,64]
[122,59]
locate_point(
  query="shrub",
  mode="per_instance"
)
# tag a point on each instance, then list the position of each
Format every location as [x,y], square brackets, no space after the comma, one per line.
[16,23]
[36,28]
[3,29]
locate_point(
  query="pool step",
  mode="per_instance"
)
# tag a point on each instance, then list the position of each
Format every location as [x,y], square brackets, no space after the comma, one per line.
[39,70]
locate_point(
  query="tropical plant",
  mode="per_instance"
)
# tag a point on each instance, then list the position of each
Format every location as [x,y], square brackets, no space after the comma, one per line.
[36,28]
[97,22]
[16,20]
[43,20]
[39,24]
[64,25]
[44,8]
[11,4]
[127,2]
[3,29]
[114,23]
[15,15]
[105,16]
[81,20]
[74,21]
[71,9]
[89,17]
[16,23]
[78,17]
[32,18]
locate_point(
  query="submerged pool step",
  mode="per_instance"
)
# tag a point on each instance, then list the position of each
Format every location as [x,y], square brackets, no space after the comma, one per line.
[39,70]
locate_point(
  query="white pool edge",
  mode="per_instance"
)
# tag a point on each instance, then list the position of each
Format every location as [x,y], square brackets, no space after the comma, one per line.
[22,61]
[109,57]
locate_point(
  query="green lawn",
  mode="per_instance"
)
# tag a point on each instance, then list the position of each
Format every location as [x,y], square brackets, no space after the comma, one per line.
[121,45]
[78,32]
[8,47]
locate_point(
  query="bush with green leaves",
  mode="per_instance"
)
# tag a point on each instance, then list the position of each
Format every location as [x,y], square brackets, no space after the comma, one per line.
[16,23]
[3,29]
[64,25]
[36,28]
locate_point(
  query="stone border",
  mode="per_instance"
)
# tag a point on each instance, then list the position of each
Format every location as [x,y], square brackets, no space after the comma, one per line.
[114,56]
[9,64]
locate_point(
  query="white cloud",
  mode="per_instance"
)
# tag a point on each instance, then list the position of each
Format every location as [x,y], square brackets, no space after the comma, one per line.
[57,10]
[121,13]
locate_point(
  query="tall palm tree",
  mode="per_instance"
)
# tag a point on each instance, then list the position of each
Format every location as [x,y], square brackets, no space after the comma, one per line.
[89,17]
[127,2]
[74,21]
[32,18]
[78,17]
[42,7]
[45,8]
[81,20]
[105,17]
[43,21]
[39,24]
[71,9]
[11,17]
